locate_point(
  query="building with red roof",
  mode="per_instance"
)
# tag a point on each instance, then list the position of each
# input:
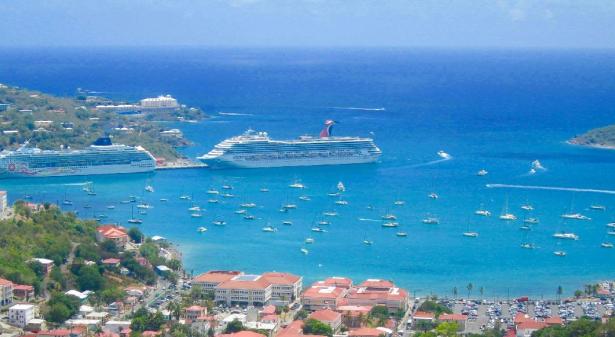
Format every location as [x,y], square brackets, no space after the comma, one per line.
[319,296]
[6,292]
[294,329]
[554,320]
[336,281]
[111,262]
[329,317]
[114,233]
[379,292]
[211,279]
[195,312]
[454,318]
[525,329]
[366,332]
[285,287]
[352,315]
[73,332]
[23,291]
[245,333]
[244,290]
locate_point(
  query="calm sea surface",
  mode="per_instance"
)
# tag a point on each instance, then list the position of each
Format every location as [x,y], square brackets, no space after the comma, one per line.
[492,109]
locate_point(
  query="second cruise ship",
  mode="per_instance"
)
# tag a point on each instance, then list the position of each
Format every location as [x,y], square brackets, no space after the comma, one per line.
[257,150]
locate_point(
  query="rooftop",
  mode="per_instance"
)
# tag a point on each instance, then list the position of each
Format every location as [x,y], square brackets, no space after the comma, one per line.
[217,276]
[325,315]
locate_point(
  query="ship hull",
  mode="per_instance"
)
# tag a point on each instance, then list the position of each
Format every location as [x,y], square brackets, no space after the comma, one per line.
[223,162]
[15,170]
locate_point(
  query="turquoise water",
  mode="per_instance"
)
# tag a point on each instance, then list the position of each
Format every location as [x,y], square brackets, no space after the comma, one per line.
[497,110]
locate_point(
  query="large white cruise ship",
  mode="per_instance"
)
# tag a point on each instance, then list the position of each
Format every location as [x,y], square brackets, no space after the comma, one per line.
[257,150]
[102,157]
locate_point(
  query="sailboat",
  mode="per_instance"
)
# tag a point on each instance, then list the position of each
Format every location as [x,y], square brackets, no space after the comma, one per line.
[505,214]
[132,219]
[470,234]
[149,188]
[341,187]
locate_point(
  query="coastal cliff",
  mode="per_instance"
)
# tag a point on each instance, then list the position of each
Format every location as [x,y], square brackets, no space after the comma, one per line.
[603,137]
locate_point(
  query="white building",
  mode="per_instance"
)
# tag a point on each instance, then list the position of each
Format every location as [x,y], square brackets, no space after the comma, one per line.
[21,314]
[6,292]
[244,290]
[160,102]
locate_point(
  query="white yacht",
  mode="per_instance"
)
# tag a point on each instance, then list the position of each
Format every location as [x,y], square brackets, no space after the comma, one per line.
[433,196]
[527,207]
[329,213]
[482,172]
[390,224]
[341,202]
[431,221]
[296,185]
[304,198]
[305,251]
[568,236]
[399,203]
[559,253]
[528,245]
[149,188]
[598,207]
[482,212]
[470,234]
[269,229]
[401,234]
[606,245]
[389,217]
[444,155]
[508,217]
[309,240]
[248,205]
[575,216]
[201,230]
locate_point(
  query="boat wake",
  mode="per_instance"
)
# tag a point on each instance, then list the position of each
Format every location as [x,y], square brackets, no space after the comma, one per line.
[551,188]
[79,184]
[234,114]
[356,108]
[433,162]
[371,220]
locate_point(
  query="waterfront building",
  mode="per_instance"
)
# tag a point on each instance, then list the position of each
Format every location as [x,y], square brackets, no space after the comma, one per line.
[20,314]
[379,292]
[6,292]
[244,290]
[336,281]
[331,318]
[285,288]
[160,102]
[422,316]
[114,233]
[319,297]
[210,280]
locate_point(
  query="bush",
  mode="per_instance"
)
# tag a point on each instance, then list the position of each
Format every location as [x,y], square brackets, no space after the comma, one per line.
[316,327]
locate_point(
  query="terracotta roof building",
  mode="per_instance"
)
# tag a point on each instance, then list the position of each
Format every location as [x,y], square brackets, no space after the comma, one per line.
[319,297]
[294,329]
[114,233]
[244,290]
[329,317]
[285,287]
[211,279]
[244,333]
[366,332]
[379,292]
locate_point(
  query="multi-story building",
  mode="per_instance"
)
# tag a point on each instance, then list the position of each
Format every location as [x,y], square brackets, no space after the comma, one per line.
[331,318]
[319,297]
[160,102]
[195,312]
[6,292]
[244,290]
[114,233]
[285,287]
[379,292]
[210,280]
[21,314]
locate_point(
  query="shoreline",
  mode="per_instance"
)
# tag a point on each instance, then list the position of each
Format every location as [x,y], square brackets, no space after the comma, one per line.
[591,146]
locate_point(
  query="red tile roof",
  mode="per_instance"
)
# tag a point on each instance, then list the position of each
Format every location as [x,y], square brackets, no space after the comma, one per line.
[111,261]
[336,281]
[531,325]
[270,318]
[245,333]
[281,278]
[195,308]
[324,292]
[4,282]
[325,315]
[23,287]
[453,317]
[555,320]
[294,329]
[377,283]
[365,332]
[424,315]
[216,276]
[521,317]
[268,310]
[258,283]
[112,231]
[354,310]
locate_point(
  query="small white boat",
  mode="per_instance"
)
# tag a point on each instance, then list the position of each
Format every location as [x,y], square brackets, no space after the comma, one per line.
[201,229]
[611,232]
[389,217]
[431,221]
[575,216]
[194,209]
[248,205]
[269,229]
[399,203]
[318,230]
[368,242]
[536,165]
[309,240]
[341,202]
[111,207]
[218,222]
[333,194]
[598,207]
[228,195]
[470,234]
[149,188]
[527,207]
[401,234]
[525,228]
[196,215]
[559,253]
[482,172]
[212,191]
[508,217]
[329,213]
[67,202]
[241,211]
[444,155]
[135,221]
[531,220]
[264,190]
[304,198]
[296,185]
[125,202]
[290,206]
[185,197]
[390,224]
[287,223]
[433,196]
[144,206]
[164,199]
[212,201]
[249,217]
[611,224]
[323,223]
[227,187]
[482,212]
[567,236]
[528,245]
[305,251]
[341,187]
[606,245]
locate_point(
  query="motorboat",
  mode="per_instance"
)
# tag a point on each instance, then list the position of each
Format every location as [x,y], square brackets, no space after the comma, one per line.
[164,199]
[482,172]
[135,221]
[144,206]
[527,207]
[525,228]
[341,202]
[390,224]
[185,197]
[318,230]
[389,217]
[575,216]
[227,187]
[470,234]
[304,198]
[532,221]
[323,223]
[287,223]
[309,240]
[264,190]
[241,211]
[195,209]
[269,229]
[290,206]
[606,245]
[399,203]
[212,191]
[228,195]
[433,196]
[508,217]
[559,253]
[341,187]
[305,251]
[249,217]
[444,155]
[196,215]
[368,242]
[568,236]
[528,245]
[111,207]
[201,229]
[248,205]
[482,212]
[212,201]
[149,188]
[431,221]
[218,222]
[401,234]
[329,213]
[296,185]
[598,207]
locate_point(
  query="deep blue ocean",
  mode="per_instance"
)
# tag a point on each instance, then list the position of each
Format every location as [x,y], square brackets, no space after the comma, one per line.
[492,109]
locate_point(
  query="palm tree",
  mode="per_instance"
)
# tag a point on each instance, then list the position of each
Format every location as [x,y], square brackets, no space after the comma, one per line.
[469,287]
[559,293]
